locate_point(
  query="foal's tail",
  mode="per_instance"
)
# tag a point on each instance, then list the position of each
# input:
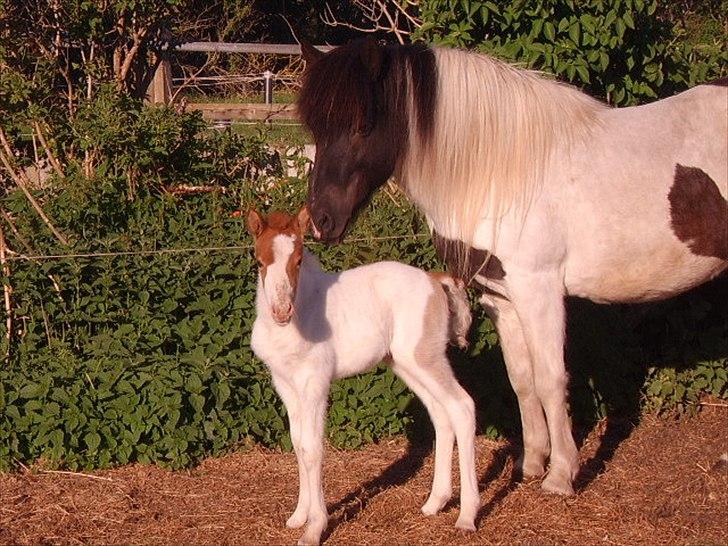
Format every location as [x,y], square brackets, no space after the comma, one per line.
[459,307]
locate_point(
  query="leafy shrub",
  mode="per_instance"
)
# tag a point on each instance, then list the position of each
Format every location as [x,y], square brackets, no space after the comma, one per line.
[145,357]
[618,49]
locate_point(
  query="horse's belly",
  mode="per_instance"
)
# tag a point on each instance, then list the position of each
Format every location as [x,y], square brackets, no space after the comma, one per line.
[646,278]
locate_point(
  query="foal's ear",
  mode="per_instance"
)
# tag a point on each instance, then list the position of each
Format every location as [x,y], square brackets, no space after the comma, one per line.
[255,223]
[310,54]
[303,218]
[372,56]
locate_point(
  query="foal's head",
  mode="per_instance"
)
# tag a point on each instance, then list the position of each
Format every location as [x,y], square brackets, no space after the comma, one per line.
[279,251]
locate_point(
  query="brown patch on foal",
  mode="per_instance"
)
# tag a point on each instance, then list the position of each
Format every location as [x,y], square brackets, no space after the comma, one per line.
[699,213]
[434,325]
[265,229]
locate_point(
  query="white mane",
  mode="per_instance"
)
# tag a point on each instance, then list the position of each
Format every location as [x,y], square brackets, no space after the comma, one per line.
[495,130]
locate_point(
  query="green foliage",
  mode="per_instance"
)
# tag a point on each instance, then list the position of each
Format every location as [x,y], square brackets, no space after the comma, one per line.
[681,389]
[133,353]
[616,49]
[145,357]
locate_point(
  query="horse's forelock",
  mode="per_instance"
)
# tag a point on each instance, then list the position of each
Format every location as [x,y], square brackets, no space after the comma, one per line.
[336,92]
[339,91]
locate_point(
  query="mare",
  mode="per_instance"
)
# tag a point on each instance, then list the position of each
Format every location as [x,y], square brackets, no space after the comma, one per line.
[533,191]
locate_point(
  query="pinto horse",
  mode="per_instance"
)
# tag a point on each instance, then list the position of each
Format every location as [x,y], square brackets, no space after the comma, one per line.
[533,191]
[312,327]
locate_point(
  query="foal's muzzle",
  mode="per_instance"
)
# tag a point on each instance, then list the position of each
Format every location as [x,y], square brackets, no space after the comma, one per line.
[282,314]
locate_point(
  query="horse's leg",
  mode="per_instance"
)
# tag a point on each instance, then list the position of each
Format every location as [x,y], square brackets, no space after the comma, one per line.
[520,373]
[290,399]
[444,441]
[539,301]
[434,380]
[312,418]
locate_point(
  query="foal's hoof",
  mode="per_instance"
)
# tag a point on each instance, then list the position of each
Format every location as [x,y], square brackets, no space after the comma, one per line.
[434,505]
[296,521]
[465,525]
[304,541]
[557,483]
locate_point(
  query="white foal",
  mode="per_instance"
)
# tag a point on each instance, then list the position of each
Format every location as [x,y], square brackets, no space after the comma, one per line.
[313,327]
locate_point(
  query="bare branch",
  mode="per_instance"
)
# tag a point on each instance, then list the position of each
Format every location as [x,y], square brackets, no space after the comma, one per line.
[8,292]
[22,182]
[391,16]
[54,162]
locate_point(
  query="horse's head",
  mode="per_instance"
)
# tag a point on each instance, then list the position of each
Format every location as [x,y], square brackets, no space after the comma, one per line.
[279,251]
[346,103]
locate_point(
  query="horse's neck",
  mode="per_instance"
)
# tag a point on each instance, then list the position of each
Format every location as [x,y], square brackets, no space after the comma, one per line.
[492,141]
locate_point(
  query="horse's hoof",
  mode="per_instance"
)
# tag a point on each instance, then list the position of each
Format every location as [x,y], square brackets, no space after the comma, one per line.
[530,468]
[559,484]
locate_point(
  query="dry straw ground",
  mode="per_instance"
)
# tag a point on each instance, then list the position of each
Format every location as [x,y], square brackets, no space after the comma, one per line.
[663,484]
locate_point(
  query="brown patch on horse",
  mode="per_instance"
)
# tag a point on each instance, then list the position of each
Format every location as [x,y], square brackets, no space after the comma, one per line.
[699,213]
[466,262]
[265,229]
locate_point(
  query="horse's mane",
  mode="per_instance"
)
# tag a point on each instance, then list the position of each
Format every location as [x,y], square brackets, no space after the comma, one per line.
[475,135]
[495,130]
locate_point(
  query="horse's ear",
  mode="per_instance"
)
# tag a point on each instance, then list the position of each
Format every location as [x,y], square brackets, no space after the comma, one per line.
[372,56]
[310,53]
[255,223]
[303,218]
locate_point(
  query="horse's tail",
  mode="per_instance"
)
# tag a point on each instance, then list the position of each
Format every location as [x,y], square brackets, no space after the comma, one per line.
[459,307]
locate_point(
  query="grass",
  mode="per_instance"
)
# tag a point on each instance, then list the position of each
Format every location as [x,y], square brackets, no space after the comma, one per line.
[290,134]
[279,97]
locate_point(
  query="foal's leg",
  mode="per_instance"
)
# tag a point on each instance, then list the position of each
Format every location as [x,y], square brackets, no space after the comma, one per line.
[313,416]
[539,301]
[444,441]
[290,399]
[520,373]
[434,380]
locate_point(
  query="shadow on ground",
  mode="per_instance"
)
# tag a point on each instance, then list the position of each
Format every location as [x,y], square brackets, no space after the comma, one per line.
[610,349]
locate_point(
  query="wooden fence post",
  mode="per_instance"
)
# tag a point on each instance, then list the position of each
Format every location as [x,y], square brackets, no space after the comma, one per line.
[160,90]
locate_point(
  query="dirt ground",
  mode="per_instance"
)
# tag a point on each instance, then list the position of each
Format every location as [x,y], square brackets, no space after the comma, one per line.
[662,482]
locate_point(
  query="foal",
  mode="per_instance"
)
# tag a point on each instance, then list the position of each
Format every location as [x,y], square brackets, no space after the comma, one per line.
[313,327]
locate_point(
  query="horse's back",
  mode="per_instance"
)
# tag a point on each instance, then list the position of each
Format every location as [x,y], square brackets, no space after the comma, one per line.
[375,306]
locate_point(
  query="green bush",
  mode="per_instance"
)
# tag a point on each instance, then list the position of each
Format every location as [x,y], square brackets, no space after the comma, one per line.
[620,50]
[121,351]
[125,356]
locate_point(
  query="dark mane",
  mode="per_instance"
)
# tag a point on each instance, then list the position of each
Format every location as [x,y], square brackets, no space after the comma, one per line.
[341,94]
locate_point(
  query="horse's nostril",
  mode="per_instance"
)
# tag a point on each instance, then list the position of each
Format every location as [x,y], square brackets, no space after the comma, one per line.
[324,222]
